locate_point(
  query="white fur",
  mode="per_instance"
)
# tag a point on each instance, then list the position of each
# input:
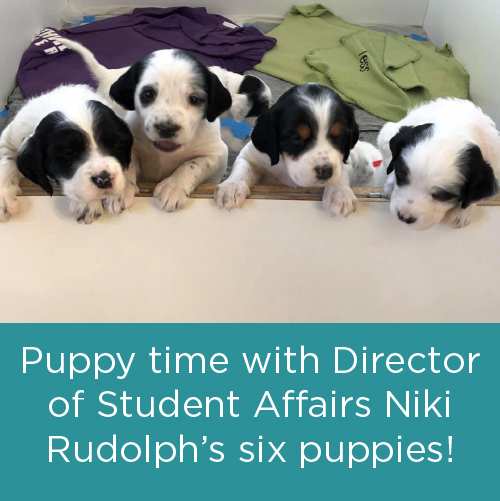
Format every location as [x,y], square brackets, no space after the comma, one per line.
[432,162]
[85,196]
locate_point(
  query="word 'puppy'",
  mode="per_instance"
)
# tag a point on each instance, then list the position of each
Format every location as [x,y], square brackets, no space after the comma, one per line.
[71,136]
[304,140]
[441,160]
[173,102]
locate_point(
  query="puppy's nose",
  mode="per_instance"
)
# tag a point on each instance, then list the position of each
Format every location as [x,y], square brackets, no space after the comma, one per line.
[406,219]
[103,180]
[167,129]
[324,172]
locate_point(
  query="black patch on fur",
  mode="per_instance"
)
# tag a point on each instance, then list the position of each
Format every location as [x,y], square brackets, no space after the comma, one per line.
[480,181]
[254,89]
[112,135]
[218,97]
[56,150]
[123,90]
[444,196]
[276,128]
[148,95]
[405,138]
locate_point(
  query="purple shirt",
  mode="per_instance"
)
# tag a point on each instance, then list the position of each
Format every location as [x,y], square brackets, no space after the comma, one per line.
[123,40]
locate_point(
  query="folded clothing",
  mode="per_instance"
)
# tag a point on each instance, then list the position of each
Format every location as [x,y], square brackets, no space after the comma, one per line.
[385,74]
[123,40]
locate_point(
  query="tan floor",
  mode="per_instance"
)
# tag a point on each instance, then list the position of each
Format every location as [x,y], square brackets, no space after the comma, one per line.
[272,261]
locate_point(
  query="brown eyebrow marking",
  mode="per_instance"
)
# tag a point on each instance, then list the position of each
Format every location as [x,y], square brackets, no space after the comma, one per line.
[304,131]
[336,130]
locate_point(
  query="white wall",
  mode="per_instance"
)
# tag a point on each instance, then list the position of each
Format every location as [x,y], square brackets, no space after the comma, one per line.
[20,21]
[367,11]
[472,27]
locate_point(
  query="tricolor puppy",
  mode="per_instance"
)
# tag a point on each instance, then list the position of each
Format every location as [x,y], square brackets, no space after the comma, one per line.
[305,140]
[70,136]
[441,159]
[173,102]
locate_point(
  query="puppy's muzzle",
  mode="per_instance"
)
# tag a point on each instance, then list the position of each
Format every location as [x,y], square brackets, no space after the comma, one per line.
[324,172]
[167,130]
[103,181]
[406,219]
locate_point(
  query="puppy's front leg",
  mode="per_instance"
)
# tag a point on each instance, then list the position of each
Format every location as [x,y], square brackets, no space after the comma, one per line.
[9,184]
[236,188]
[172,193]
[460,218]
[338,198]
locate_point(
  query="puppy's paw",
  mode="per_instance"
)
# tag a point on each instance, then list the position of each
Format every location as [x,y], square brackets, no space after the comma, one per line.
[460,218]
[389,185]
[9,205]
[231,195]
[170,196]
[339,200]
[118,204]
[86,213]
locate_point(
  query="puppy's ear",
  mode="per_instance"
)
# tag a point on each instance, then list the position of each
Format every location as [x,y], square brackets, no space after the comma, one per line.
[30,162]
[407,136]
[480,181]
[219,99]
[350,133]
[123,90]
[265,136]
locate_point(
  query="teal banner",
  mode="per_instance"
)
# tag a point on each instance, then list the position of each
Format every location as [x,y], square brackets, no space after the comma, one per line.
[250,412]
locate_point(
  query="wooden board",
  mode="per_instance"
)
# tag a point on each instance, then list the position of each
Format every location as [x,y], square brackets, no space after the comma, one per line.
[259,192]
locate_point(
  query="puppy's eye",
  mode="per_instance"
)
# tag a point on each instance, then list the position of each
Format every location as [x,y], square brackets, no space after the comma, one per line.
[194,100]
[66,153]
[444,196]
[148,94]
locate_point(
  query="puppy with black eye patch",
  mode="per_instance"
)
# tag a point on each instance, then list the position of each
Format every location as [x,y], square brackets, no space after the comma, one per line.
[70,136]
[304,140]
[441,159]
[172,103]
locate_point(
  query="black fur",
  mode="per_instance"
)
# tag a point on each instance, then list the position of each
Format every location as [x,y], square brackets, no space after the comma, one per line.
[112,134]
[480,181]
[55,150]
[406,137]
[275,131]
[254,89]
[123,90]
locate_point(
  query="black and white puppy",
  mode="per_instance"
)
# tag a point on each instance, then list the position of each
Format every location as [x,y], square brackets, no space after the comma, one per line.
[69,135]
[173,103]
[304,140]
[441,159]
[249,94]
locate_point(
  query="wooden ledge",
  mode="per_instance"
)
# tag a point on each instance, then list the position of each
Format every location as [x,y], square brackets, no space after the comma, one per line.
[259,192]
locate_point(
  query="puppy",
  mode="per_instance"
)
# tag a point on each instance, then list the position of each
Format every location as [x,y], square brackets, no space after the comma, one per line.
[173,102]
[249,94]
[71,136]
[366,161]
[305,139]
[441,160]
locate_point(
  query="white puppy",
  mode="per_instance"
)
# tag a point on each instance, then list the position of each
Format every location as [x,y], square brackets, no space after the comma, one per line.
[304,140]
[442,159]
[173,102]
[72,136]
